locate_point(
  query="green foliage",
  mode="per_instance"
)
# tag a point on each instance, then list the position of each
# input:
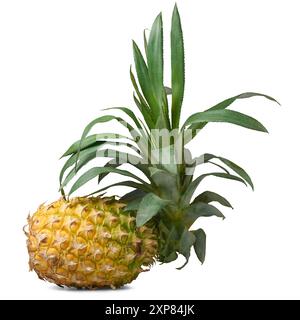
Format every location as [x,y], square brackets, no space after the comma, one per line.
[166,193]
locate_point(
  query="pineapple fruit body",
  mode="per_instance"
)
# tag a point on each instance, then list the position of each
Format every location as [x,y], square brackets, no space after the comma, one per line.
[88,243]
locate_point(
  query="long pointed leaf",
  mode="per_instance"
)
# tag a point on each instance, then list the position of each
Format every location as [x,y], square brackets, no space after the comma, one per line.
[141,102]
[94,172]
[195,183]
[91,153]
[177,66]
[237,169]
[104,119]
[144,81]
[155,58]
[228,116]
[128,183]
[226,103]
[132,195]
[90,140]
[71,161]
[129,113]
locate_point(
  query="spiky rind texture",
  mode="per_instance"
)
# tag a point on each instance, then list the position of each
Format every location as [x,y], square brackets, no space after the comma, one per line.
[88,243]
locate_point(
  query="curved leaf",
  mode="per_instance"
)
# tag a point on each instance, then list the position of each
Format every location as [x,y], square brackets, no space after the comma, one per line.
[90,140]
[112,164]
[200,209]
[85,154]
[226,103]
[227,116]
[133,195]
[132,184]
[129,113]
[219,166]
[200,244]
[194,184]
[233,166]
[103,119]
[185,244]
[94,172]
[92,153]
[209,196]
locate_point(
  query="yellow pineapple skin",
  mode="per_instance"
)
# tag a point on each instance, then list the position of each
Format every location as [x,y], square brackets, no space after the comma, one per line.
[88,242]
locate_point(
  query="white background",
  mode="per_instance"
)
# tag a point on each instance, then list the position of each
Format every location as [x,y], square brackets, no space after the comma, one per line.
[62,61]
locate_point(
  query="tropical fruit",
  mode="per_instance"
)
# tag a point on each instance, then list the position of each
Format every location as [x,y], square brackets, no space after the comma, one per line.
[162,204]
[88,243]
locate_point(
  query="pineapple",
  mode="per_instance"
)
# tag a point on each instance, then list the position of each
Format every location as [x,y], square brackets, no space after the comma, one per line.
[88,243]
[158,214]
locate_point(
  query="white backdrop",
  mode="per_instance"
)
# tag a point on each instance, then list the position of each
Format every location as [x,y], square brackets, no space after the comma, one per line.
[62,61]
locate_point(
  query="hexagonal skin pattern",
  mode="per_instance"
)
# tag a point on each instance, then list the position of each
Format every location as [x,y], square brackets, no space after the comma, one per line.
[88,243]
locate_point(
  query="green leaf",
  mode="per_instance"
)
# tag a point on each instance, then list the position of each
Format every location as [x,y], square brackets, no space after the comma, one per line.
[169,237]
[103,119]
[141,103]
[166,183]
[132,184]
[200,209]
[133,205]
[177,61]
[132,195]
[209,196]
[155,58]
[200,244]
[144,81]
[111,163]
[145,41]
[71,161]
[149,207]
[186,242]
[186,198]
[171,257]
[94,172]
[129,113]
[86,156]
[90,140]
[226,103]
[228,116]
[219,166]
[237,169]
[233,166]
[92,153]
[146,114]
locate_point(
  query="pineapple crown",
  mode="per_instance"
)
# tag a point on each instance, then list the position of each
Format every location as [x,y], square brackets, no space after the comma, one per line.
[164,193]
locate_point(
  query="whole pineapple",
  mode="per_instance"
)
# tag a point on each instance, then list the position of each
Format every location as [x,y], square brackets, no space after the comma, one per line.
[88,243]
[157,216]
